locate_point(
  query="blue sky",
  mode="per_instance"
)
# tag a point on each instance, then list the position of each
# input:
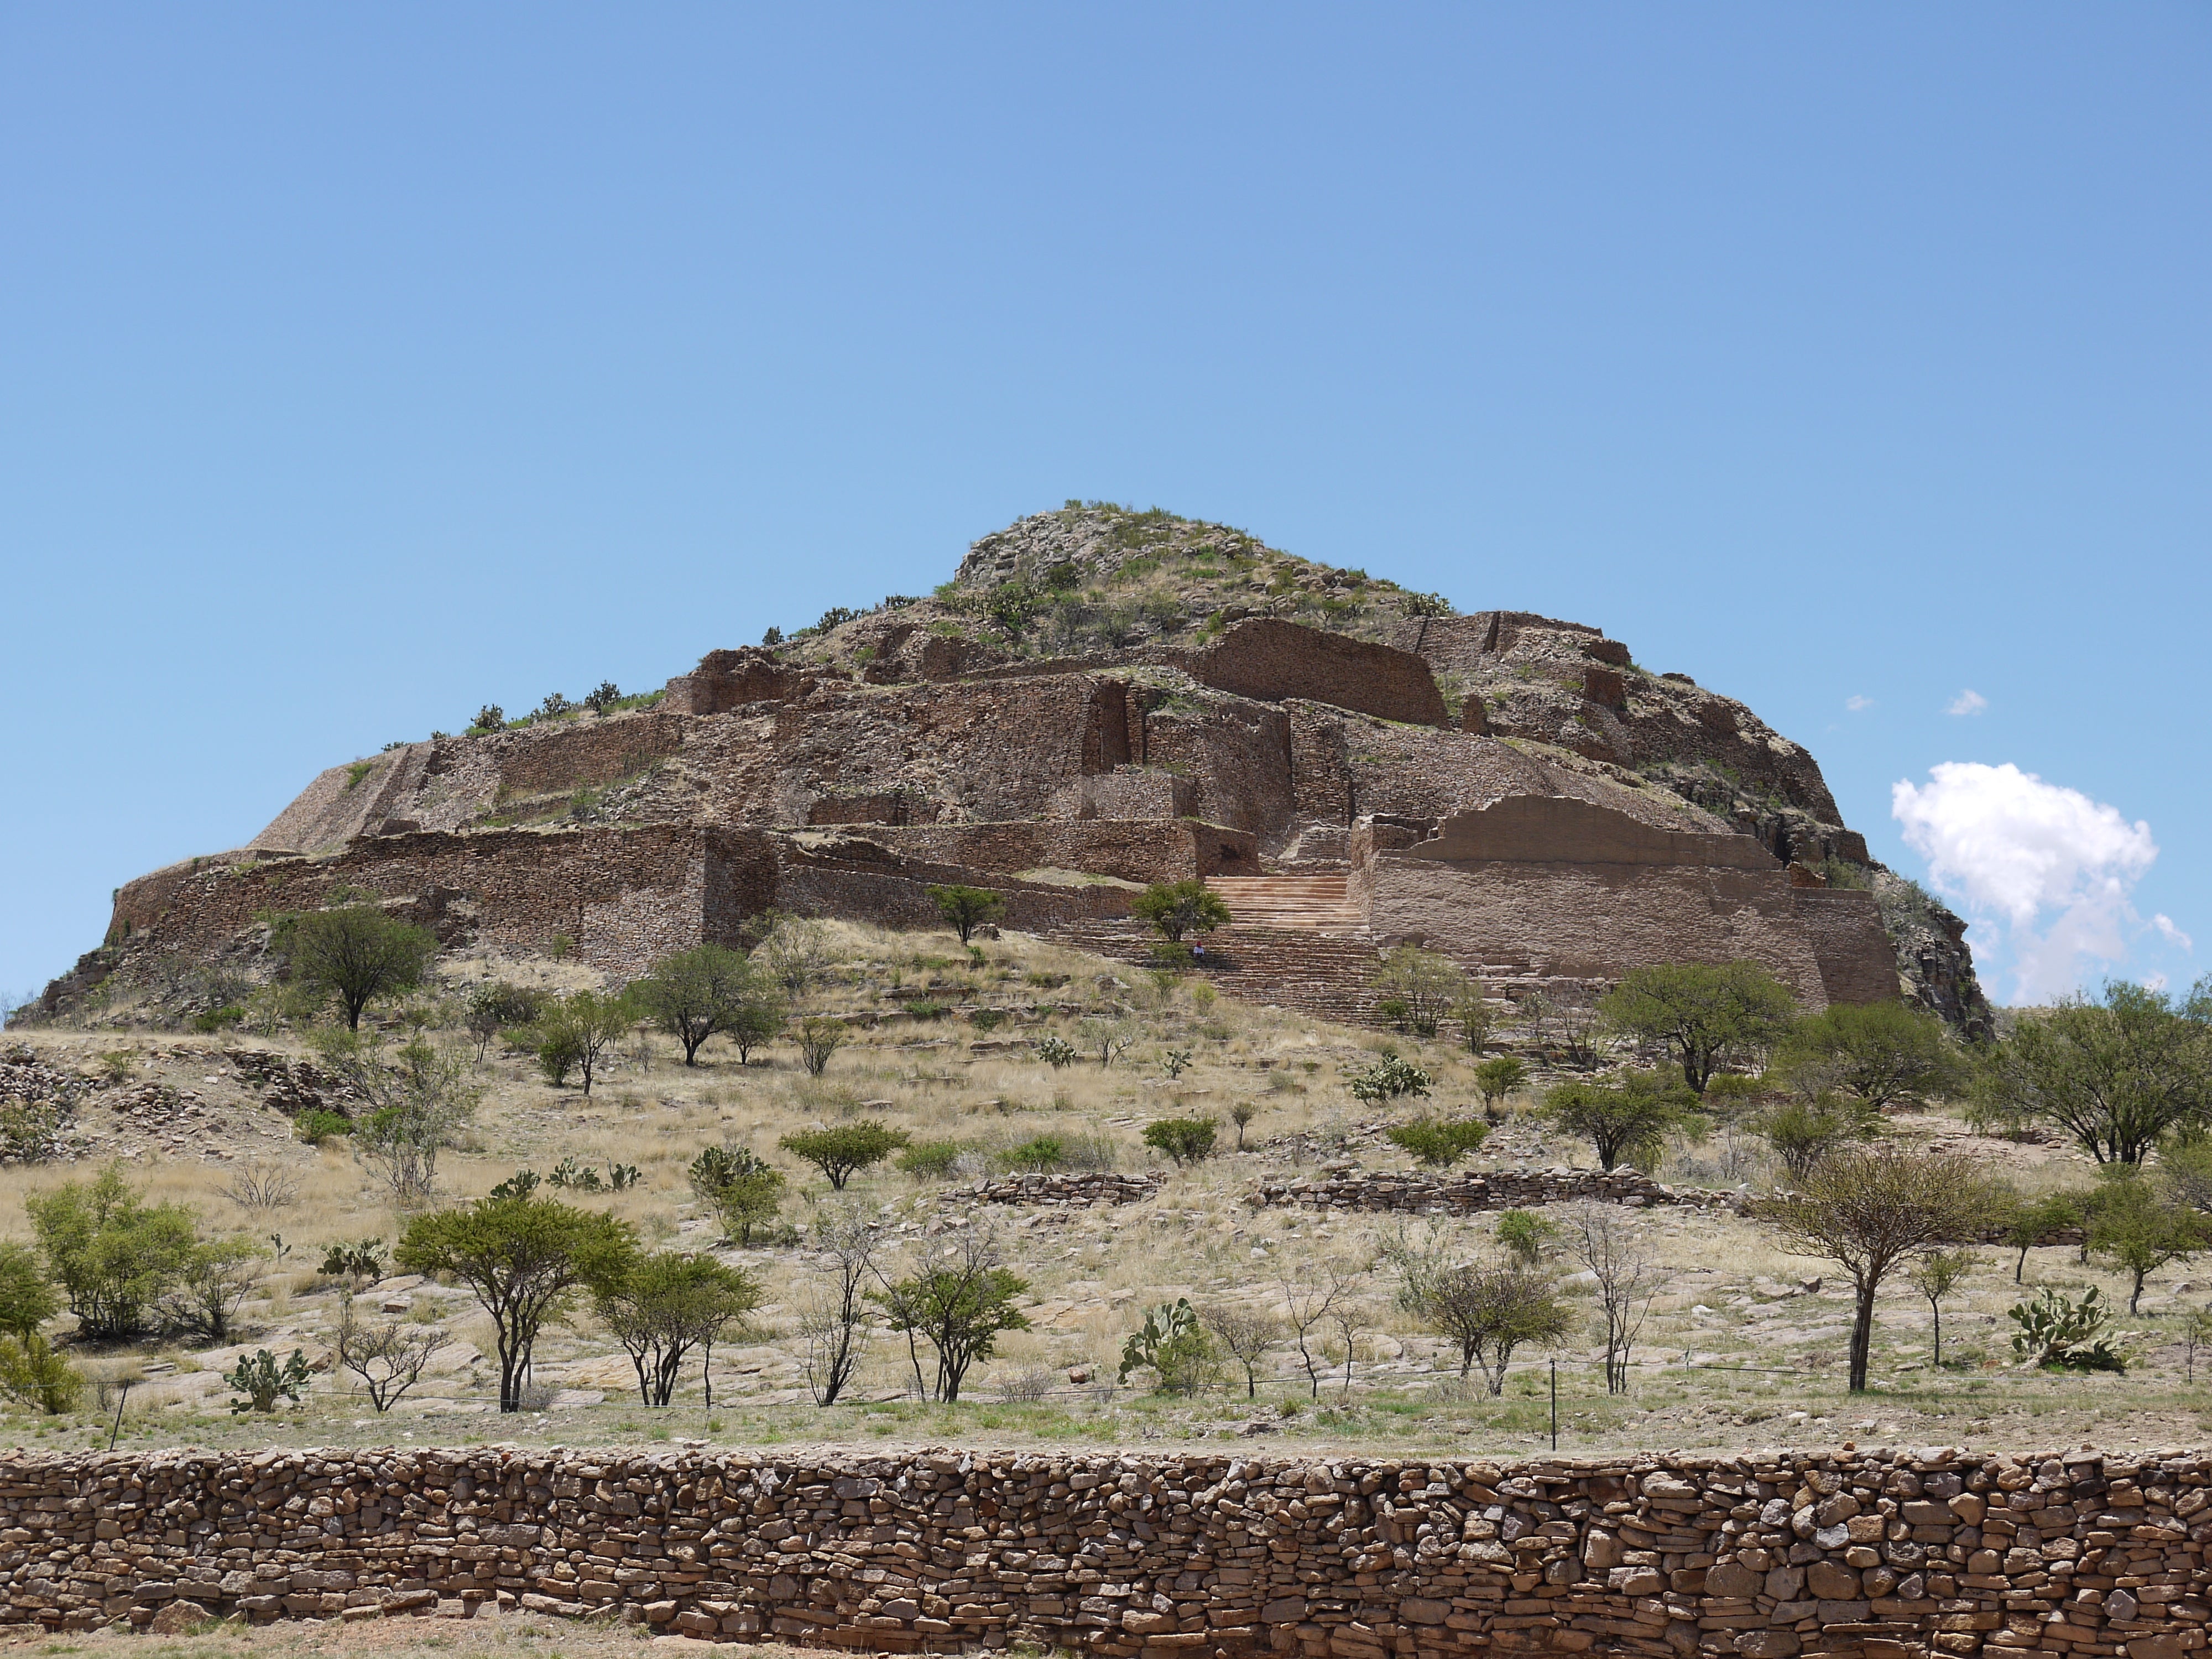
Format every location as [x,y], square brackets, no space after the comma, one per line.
[358,366]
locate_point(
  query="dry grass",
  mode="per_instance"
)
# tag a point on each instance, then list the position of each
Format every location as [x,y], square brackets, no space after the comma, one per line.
[1763,1354]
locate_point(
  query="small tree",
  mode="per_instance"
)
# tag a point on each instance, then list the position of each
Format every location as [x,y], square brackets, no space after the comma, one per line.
[27,1295]
[1246,1335]
[1184,1139]
[1803,1131]
[390,1358]
[1416,988]
[36,1377]
[1936,1275]
[959,1306]
[2027,1222]
[496,1006]
[1488,1312]
[835,1320]
[1498,1078]
[1525,1235]
[1439,1143]
[114,1255]
[695,994]
[583,1028]
[1241,1114]
[218,1278]
[740,1187]
[1472,1010]
[2117,1074]
[1109,1038]
[1872,1212]
[966,909]
[1707,1013]
[794,952]
[756,1022]
[1311,1294]
[1602,1238]
[664,1305]
[1623,1119]
[1181,907]
[2138,1230]
[840,1153]
[525,1258]
[2195,1337]
[1880,1053]
[355,953]
[818,1039]
[419,1102]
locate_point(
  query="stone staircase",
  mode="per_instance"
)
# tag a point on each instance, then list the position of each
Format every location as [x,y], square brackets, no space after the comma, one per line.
[1302,903]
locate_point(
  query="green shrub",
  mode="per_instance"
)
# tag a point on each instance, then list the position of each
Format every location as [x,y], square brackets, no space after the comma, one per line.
[114,1254]
[37,1378]
[818,1039]
[740,1187]
[1055,1051]
[842,1152]
[315,1126]
[926,1010]
[1179,908]
[1185,1139]
[930,1160]
[1439,1143]
[1524,1235]
[217,1019]
[1040,1155]
[987,1020]
[1498,1078]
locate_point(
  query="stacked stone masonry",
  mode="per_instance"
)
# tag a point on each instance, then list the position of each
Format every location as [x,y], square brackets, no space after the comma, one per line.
[1468,1193]
[1770,1555]
[1275,742]
[1091,1189]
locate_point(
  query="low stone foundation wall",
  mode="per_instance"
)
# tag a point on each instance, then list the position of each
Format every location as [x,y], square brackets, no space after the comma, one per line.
[1770,1556]
[1463,1195]
[1086,1190]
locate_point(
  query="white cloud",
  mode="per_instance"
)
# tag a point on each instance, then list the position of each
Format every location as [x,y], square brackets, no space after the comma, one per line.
[1855,704]
[2164,923]
[1967,703]
[2153,981]
[2010,845]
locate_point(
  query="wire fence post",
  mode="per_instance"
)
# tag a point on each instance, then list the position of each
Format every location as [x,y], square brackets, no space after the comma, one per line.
[1555,1405]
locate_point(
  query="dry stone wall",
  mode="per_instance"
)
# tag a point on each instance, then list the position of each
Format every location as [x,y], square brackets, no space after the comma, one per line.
[1468,1194]
[1878,1555]
[1088,1189]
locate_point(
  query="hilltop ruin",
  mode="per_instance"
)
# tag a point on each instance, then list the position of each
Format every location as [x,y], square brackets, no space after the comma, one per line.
[1097,701]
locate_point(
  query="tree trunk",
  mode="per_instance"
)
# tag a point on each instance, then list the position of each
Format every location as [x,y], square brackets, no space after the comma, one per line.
[1862,1337]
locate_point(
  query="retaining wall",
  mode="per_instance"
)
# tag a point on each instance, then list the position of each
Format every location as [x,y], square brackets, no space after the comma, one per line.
[1466,1194]
[1769,1556]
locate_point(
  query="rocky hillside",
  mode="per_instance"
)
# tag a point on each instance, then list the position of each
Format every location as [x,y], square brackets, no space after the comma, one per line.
[1096,578]
[1089,683]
